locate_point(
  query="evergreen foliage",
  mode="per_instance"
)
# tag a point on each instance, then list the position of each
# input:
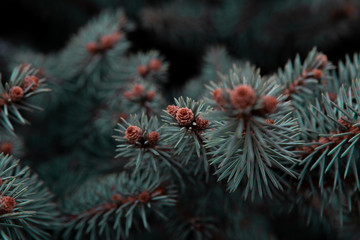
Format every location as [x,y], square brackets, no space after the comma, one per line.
[26,207]
[233,155]
[254,132]
[23,84]
[184,132]
[141,141]
[109,206]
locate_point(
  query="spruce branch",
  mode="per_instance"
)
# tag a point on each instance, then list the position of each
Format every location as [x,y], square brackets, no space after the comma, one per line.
[23,84]
[149,65]
[148,69]
[347,71]
[185,125]
[109,206]
[138,97]
[195,216]
[93,52]
[141,140]
[304,82]
[335,151]
[26,210]
[255,136]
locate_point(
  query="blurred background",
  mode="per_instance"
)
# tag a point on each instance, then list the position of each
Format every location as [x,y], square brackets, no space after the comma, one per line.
[267,33]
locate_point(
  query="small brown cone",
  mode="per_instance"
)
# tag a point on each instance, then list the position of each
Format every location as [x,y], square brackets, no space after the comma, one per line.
[92,47]
[142,70]
[269,104]
[8,204]
[133,134]
[242,96]
[16,93]
[184,116]
[154,64]
[144,197]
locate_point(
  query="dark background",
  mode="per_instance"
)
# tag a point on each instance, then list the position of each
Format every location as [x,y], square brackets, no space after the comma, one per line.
[46,26]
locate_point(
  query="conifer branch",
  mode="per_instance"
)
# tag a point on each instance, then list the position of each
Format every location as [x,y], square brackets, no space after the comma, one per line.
[22,85]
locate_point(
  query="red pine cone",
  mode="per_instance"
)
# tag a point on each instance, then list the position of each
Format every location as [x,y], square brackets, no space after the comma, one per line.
[138,90]
[172,110]
[154,64]
[144,197]
[202,123]
[218,97]
[142,70]
[92,47]
[269,103]
[150,95]
[31,80]
[8,204]
[133,134]
[108,41]
[152,138]
[317,73]
[16,93]
[184,116]
[6,147]
[242,96]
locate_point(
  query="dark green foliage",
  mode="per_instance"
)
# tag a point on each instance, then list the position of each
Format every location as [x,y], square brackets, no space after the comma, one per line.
[246,223]
[89,66]
[200,220]
[71,171]
[11,108]
[348,70]
[350,227]
[187,139]
[304,82]
[34,215]
[131,67]
[108,207]
[335,152]
[140,96]
[145,153]
[247,148]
